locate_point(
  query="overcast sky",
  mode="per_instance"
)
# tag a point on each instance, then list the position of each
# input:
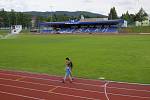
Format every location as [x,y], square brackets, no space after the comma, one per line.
[97,6]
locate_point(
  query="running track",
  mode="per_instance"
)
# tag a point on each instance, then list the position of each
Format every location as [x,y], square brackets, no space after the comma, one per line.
[31,86]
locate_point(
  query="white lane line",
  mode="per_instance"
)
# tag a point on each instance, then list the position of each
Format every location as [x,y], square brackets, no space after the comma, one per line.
[51,85]
[48,79]
[18,79]
[34,73]
[75,96]
[130,83]
[48,92]
[128,89]
[21,95]
[73,82]
[77,89]
[129,96]
[105,89]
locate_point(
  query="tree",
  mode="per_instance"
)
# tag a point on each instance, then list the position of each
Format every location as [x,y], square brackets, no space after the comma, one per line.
[141,15]
[130,18]
[55,18]
[12,17]
[112,14]
[126,16]
[4,18]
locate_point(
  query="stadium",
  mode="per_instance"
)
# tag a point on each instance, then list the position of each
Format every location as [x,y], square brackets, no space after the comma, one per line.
[74,55]
[98,25]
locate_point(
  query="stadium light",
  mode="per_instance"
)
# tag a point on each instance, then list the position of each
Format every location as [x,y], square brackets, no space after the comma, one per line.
[140,5]
[51,7]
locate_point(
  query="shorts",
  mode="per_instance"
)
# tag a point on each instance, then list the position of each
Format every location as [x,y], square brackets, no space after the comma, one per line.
[68,72]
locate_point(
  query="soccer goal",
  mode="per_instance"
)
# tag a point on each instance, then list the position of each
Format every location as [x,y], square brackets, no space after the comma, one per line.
[16,29]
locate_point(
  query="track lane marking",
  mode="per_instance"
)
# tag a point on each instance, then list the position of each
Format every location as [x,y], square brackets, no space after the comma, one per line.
[94,80]
[48,92]
[34,73]
[48,79]
[105,89]
[21,95]
[81,89]
[19,79]
[51,85]
[75,82]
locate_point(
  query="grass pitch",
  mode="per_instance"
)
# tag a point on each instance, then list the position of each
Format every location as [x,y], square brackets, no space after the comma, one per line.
[114,57]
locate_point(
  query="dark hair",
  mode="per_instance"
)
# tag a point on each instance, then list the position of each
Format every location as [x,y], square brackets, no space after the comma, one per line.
[67,58]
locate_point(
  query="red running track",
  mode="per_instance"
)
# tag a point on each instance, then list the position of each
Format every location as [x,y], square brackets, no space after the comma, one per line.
[32,86]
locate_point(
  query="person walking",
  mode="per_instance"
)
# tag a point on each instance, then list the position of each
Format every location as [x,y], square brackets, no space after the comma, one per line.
[68,69]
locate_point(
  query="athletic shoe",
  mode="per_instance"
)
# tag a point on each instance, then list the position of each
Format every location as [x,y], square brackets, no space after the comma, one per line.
[63,81]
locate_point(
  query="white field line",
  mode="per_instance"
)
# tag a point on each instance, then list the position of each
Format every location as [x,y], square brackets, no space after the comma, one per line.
[1,36]
[34,73]
[74,88]
[145,33]
[73,82]
[8,36]
[21,95]
[48,92]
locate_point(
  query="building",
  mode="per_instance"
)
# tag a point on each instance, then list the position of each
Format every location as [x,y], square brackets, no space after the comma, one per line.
[92,19]
[143,23]
[33,22]
[106,26]
[84,25]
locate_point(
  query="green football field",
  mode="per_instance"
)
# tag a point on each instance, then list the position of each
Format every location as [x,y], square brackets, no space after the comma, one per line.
[116,57]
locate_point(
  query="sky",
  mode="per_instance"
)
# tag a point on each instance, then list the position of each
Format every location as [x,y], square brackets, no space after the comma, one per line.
[95,6]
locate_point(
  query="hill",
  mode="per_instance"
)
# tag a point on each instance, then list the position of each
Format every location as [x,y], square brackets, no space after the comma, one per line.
[67,13]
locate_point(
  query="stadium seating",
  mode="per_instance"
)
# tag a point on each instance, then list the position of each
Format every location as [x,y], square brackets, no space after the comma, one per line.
[84,30]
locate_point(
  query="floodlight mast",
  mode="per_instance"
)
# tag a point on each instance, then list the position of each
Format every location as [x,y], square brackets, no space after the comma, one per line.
[113,5]
[9,23]
[51,7]
[140,5]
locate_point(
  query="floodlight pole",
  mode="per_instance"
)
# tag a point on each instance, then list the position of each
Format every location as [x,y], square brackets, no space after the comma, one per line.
[51,14]
[9,23]
[140,14]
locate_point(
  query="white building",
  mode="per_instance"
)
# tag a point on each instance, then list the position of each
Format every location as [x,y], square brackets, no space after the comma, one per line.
[92,19]
[143,23]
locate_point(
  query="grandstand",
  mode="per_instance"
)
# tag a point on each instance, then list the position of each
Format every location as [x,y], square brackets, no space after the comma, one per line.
[106,26]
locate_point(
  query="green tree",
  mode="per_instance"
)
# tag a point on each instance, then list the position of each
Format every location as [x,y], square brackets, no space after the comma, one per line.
[4,18]
[141,15]
[112,14]
[12,17]
[130,18]
[55,18]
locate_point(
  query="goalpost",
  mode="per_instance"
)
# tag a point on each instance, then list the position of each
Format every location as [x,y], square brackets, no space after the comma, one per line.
[14,30]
